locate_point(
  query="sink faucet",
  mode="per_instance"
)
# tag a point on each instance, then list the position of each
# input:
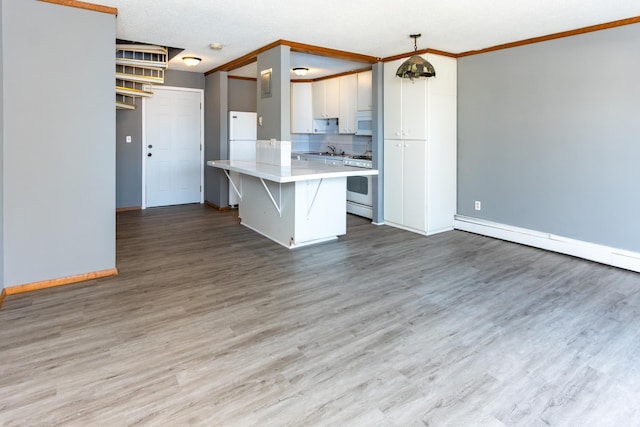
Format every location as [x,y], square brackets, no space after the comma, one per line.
[332,148]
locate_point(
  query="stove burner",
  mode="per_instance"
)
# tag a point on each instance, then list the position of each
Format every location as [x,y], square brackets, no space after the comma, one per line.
[361,157]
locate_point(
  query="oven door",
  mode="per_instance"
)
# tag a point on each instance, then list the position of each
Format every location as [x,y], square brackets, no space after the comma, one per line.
[360,196]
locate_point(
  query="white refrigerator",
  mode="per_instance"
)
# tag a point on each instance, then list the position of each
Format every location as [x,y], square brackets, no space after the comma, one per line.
[243,133]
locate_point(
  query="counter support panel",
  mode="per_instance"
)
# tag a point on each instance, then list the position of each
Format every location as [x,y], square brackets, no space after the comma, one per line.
[278,204]
[310,204]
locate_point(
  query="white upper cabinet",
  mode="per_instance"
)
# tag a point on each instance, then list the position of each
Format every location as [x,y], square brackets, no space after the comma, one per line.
[326,98]
[405,105]
[365,98]
[392,89]
[348,101]
[301,108]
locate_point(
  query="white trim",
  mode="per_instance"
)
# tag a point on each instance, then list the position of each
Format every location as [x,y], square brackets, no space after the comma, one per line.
[591,251]
[291,245]
[143,202]
[144,138]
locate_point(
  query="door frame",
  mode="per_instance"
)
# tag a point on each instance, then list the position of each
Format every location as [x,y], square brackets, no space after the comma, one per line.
[144,137]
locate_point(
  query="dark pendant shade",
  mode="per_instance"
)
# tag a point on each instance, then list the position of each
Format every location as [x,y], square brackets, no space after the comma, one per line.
[414,67]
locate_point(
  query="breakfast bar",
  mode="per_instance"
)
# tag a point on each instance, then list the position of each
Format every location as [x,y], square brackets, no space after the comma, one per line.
[296,205]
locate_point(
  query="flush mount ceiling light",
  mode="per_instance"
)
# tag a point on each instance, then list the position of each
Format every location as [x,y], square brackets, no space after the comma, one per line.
[416,66]
[300,71]
[191,61]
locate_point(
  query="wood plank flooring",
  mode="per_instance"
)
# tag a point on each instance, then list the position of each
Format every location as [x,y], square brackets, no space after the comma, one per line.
[210,324]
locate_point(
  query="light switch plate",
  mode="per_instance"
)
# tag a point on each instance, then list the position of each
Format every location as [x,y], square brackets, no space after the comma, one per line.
[128,139]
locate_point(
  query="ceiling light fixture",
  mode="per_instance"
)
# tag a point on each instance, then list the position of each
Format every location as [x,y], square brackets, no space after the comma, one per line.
[416,66]
[300,71]
[191,61]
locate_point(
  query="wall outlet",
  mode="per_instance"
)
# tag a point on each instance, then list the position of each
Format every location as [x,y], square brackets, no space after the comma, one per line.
[128,139]
[478,205]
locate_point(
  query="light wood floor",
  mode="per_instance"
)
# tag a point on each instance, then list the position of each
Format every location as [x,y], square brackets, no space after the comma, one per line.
[210,324]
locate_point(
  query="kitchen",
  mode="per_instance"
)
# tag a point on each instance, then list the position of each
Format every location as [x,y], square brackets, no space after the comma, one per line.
[331,122]
[330,119]
[322,217]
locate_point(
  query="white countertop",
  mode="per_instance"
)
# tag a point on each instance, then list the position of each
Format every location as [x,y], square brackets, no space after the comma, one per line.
[300,170]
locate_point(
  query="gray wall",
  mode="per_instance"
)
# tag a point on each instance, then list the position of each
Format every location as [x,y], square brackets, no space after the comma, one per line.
[215,137]
[59,157]
[129,156]
[548,136]
[275,110]
[222,94]
[242,95]
[184,79]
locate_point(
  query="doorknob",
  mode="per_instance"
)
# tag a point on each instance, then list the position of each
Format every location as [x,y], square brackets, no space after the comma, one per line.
[149,154]
[150,146]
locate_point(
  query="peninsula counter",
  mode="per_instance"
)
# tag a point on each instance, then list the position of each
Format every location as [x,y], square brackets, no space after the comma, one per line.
[296,205]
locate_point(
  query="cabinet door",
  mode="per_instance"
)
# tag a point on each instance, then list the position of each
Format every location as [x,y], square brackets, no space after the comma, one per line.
[326,98]
[392,101]
[348,95]
[301,108]
[415,184]
[414,108]
[365,91]
[446,83]
[393,180]
[318,99]
[332,97]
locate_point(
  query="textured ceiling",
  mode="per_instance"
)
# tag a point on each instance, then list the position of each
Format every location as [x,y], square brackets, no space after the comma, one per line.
[378,28]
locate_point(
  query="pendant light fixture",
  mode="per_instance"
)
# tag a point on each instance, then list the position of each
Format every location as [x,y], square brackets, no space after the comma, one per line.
[416,66]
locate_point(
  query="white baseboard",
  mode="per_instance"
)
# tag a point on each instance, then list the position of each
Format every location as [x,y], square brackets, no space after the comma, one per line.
[599,253]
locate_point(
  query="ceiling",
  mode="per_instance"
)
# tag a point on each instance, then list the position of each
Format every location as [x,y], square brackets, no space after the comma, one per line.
[319,66]
[378,28]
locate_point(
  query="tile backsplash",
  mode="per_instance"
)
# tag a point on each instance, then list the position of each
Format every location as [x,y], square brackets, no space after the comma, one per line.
[350,144]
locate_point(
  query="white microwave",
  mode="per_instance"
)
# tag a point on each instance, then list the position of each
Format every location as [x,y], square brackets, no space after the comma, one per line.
[364,123]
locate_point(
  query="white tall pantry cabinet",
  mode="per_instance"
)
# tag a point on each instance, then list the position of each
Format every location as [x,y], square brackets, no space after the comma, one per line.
[420,138]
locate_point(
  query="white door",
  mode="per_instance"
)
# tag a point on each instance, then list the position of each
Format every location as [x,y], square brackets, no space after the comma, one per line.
[414,198]
[414,109]
[301,108]
[393,180]
[172,147]
[392,101]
